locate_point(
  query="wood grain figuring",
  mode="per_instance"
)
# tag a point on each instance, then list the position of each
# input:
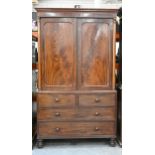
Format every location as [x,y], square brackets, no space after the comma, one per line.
[59,62]
[61,129]
[97,100]
[77,114]
[95,35]
[48,100]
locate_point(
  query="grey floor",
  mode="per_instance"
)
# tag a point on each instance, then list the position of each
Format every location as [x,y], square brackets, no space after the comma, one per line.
[77,147]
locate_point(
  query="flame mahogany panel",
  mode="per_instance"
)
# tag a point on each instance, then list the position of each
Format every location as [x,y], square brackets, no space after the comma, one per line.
[58,53]
[95,54]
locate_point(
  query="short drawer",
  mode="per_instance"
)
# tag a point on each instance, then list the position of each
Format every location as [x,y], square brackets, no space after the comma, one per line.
[97,100]
[55,100]
[75,129]
[80,114]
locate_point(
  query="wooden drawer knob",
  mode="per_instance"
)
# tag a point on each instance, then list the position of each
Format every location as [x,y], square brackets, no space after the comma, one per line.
[57,114]
[97,114]
[97,100]
[57,129]
[57,99]
[97,129]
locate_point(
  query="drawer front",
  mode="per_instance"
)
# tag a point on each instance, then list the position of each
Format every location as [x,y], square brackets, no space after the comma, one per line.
[55,100]
[81,114]
[97,100]
[81,129]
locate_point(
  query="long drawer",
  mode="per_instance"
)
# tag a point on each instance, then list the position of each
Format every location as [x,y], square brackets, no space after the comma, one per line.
[84,114]
[75,129]
[107,99]
[55,100]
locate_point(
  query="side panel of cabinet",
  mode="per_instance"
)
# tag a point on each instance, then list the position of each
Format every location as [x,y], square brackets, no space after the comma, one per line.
[95,50]
[57,55]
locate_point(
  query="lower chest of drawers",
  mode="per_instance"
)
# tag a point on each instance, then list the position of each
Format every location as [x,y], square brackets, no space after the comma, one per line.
[76,116]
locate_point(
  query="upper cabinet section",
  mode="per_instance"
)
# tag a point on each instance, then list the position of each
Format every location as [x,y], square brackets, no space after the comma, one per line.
[76,49]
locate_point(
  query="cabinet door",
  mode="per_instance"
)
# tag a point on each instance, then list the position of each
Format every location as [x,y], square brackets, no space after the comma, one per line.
[57,54]
[96,56]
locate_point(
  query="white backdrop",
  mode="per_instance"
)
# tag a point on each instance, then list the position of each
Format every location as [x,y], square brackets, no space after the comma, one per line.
[82,3]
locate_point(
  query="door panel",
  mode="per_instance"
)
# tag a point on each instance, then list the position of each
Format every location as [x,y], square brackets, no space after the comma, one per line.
[57,53]
[95,53]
